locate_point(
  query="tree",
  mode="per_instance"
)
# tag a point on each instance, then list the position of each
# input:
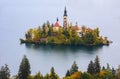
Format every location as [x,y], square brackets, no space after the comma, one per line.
[28,35]
[86,76]
[46,76]
[89,37]
[91,69]
[113,71]
[74,68]
[4,72]
[76,75]
[53,75]
[38,76]
[118,72]
[97,65]
[103,68]
[108,67]
[97,31]
[68,73]
[24,69]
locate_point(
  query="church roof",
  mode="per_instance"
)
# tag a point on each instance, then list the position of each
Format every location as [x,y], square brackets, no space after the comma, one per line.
[57,24]
[77,28]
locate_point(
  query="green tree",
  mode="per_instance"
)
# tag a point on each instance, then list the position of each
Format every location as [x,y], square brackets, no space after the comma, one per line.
[47,76]
[89,37]
[28,35]
[91,69]
[86,76]
[24,69]
[97,65]
[38,76]
[68,73]
[53,75]
[97,31]
[4,72]
[66,33]
[74,68]
[118,72]
[48,23]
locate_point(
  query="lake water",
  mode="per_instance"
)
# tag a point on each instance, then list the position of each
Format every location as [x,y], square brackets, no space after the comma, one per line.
[17,16]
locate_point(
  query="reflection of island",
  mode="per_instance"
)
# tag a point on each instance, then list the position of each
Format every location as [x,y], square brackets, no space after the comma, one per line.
[55,34]
[61,49]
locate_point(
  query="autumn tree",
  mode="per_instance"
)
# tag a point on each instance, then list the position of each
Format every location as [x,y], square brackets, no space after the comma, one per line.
[24,69]
[4,72]
[28,35]
[86,76]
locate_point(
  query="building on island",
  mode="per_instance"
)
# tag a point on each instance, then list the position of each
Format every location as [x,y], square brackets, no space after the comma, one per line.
[66,25]
[65,19]
[56,26]
[77,29]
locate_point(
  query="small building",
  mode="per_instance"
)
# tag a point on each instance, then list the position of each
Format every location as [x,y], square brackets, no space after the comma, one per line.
[78,30]
[56,26]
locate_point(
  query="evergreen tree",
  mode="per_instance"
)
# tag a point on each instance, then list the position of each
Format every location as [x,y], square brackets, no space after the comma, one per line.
[108,67]
[53,75]
[68,73]
[38,76]
[113,71]
[91,69]
[74,68]
[46,76]
[97,65]
[24,69]
[4,72]
[103,68]
[48,23]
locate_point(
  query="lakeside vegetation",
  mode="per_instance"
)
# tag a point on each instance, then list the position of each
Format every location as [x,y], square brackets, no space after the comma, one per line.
[94,71]
[73,35]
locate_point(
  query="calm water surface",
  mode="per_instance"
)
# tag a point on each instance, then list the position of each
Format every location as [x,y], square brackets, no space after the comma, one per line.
[16,17]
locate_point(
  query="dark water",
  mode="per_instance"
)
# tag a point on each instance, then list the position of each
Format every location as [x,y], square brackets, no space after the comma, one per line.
[16,17]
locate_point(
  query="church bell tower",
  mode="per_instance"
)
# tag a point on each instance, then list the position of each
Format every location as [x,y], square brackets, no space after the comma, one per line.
[65,19]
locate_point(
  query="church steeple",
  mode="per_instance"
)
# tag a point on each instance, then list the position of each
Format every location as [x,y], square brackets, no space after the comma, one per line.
[65,12]
[65,19]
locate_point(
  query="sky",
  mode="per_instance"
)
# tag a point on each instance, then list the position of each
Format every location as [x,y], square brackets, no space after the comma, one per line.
[87,12]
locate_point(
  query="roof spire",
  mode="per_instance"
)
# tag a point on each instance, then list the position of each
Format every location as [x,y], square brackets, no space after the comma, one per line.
[76,24]
[65,12]
[57,19]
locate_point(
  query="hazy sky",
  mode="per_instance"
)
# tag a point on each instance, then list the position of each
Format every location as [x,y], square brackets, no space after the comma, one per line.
[87,3]
[83,11]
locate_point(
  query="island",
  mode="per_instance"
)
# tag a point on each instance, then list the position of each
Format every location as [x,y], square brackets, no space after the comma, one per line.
[68,34]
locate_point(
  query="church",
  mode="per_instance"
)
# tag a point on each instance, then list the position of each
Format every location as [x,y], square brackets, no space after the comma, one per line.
[66,24]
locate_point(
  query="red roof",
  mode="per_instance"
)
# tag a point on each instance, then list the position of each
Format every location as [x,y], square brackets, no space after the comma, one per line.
[56,24]
[76,28]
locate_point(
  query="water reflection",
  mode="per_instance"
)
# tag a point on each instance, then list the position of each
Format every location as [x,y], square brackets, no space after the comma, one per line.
[63,48]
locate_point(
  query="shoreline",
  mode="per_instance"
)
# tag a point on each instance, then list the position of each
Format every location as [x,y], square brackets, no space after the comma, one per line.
[54,44]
